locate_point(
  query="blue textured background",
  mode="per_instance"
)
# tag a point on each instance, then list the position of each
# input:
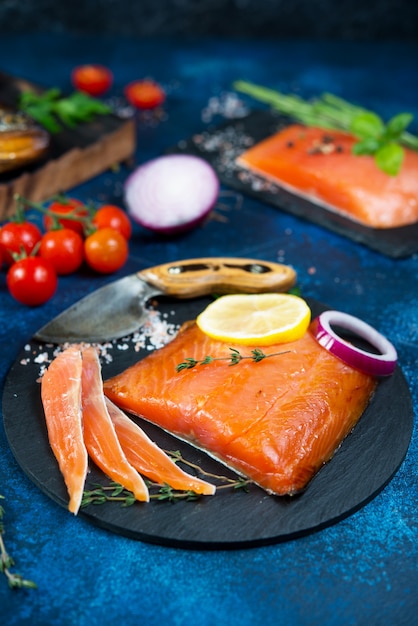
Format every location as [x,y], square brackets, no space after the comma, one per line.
[363,570]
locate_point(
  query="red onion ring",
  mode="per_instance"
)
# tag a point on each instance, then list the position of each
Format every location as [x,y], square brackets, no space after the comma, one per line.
[382,364]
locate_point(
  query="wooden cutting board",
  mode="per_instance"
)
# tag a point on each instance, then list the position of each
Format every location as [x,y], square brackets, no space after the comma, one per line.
[75,155]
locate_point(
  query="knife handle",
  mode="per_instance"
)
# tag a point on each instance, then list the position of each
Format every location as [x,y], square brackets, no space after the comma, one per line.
[202,276]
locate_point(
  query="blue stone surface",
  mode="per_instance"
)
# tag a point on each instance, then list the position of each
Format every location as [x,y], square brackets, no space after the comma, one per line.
[363,570]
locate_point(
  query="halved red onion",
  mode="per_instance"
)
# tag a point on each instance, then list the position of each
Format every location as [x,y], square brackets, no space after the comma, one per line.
[172,193]
[382,364]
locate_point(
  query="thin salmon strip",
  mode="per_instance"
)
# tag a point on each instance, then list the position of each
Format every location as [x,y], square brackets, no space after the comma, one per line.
[99,433]
[276,421]
[320,166]
[146,457]
[61,399]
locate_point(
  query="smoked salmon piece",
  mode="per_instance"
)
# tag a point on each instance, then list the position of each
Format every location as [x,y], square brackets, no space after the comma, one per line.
[276,421]
[61,397]
[146,457]
[99,433]
[319,165]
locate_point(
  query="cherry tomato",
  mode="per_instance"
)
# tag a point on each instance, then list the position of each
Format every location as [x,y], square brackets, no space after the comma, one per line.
[18,237]
[71,205]
[144,94]
[106,250]
[110,216]
[32,280]
[92,79]
[64,249]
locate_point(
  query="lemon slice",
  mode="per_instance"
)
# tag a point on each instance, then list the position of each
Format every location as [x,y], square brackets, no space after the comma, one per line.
[256,319]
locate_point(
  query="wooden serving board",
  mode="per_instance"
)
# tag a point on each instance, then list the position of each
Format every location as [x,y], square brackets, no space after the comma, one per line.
[75,155]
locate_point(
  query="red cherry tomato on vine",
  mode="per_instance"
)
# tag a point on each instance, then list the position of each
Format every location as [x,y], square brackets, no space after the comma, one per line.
[72,205]
[92,79]
[32,280]
[106,250]
[110,216]
[64,249]
[144,94]
[18,237]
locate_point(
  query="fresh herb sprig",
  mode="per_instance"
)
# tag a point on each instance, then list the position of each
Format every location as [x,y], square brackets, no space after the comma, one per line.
[383,141]
[114,492]
[234,358]
[53,111]
[15,581]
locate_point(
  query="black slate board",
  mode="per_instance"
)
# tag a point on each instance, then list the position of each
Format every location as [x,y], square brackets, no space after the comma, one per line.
[361,467]
[222,144]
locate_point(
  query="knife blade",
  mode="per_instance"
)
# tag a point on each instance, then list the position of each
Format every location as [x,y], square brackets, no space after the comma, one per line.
[119,308]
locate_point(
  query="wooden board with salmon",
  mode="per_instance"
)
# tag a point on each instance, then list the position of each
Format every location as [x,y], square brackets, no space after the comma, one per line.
[312,174]
[363,464]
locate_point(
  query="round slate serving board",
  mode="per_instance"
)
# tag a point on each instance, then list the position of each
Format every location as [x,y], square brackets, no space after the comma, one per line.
[361,467]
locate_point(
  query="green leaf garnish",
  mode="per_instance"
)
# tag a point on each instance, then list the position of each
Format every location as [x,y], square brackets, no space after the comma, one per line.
[367,125]
[390,158]
[53,111]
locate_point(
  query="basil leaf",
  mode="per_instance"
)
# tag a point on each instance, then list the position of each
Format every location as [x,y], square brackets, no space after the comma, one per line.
[389,158]
[397,124]
[366,146]
[366,125]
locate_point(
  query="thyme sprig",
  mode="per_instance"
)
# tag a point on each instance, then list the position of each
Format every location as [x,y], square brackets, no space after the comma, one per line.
[114,492]
[382,141]
[235,483]
[234,358]
[15,581]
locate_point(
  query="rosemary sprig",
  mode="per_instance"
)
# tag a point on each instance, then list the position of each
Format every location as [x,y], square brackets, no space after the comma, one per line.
[383,141]
[15,581]
[53,111]
[234,358]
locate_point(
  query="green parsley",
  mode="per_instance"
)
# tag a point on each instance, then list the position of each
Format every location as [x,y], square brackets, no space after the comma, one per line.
[53,111]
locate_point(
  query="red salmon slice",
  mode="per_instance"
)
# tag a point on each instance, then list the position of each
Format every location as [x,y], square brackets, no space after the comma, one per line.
[320,166]
[99,433]
[276,421]
[148,459]
[61,398]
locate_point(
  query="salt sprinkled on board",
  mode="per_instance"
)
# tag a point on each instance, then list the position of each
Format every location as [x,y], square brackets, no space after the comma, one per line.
[227,105]
[154,334]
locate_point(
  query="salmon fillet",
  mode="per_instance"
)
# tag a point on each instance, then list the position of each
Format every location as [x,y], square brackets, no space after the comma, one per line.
[148,459]
[276,421]
[99,433]
[61,399]
[319,165]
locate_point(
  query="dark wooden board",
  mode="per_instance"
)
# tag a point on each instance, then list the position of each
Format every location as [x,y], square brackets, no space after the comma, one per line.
[222,144]
[75,154]
[361,467]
